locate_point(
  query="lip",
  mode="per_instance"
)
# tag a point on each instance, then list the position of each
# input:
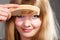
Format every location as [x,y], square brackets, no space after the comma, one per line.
[27,30]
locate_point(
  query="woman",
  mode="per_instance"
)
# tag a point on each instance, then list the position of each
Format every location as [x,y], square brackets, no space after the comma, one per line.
[36,23]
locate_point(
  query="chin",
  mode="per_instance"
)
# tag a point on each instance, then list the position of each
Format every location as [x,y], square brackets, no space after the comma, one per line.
[28,34]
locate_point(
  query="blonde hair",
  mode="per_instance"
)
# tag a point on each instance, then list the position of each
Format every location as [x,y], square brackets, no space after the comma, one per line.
[48,27]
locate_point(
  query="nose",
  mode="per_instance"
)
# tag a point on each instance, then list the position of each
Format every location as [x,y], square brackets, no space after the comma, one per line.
[27,23]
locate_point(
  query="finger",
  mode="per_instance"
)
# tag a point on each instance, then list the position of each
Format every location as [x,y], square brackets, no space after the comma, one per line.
[11,5]
[5,12]
[8,15]
[3,18]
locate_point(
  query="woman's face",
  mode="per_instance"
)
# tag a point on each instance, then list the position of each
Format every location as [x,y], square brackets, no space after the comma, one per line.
[28,23]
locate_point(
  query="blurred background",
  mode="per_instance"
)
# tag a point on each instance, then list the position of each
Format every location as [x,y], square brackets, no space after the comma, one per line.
[55,4]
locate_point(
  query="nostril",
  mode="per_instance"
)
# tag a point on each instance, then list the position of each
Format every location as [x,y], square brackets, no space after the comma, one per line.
[27,24]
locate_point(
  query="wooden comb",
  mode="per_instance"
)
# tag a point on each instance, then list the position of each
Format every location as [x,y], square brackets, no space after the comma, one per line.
[15,12]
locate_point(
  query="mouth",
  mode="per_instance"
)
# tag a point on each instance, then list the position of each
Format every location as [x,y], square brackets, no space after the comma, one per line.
[27,30]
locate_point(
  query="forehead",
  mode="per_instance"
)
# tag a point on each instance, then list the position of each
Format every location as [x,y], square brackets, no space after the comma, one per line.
[26,9]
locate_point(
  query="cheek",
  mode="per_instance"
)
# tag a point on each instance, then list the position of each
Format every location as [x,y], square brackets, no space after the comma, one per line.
[36,22]
[18,22]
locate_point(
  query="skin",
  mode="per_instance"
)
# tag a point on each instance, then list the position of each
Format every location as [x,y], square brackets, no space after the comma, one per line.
[5,12]
[27,25]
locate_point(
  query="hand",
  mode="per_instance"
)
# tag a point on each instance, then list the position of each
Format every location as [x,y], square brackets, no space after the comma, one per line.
[5,12]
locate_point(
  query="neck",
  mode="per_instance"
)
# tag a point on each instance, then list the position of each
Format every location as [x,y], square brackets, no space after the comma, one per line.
[24,38]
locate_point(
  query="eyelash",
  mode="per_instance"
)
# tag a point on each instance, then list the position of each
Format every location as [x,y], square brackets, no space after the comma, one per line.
[33,16]
[21,16]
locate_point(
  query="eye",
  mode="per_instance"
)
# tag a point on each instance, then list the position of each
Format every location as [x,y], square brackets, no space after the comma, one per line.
[21,16]
[35,16]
